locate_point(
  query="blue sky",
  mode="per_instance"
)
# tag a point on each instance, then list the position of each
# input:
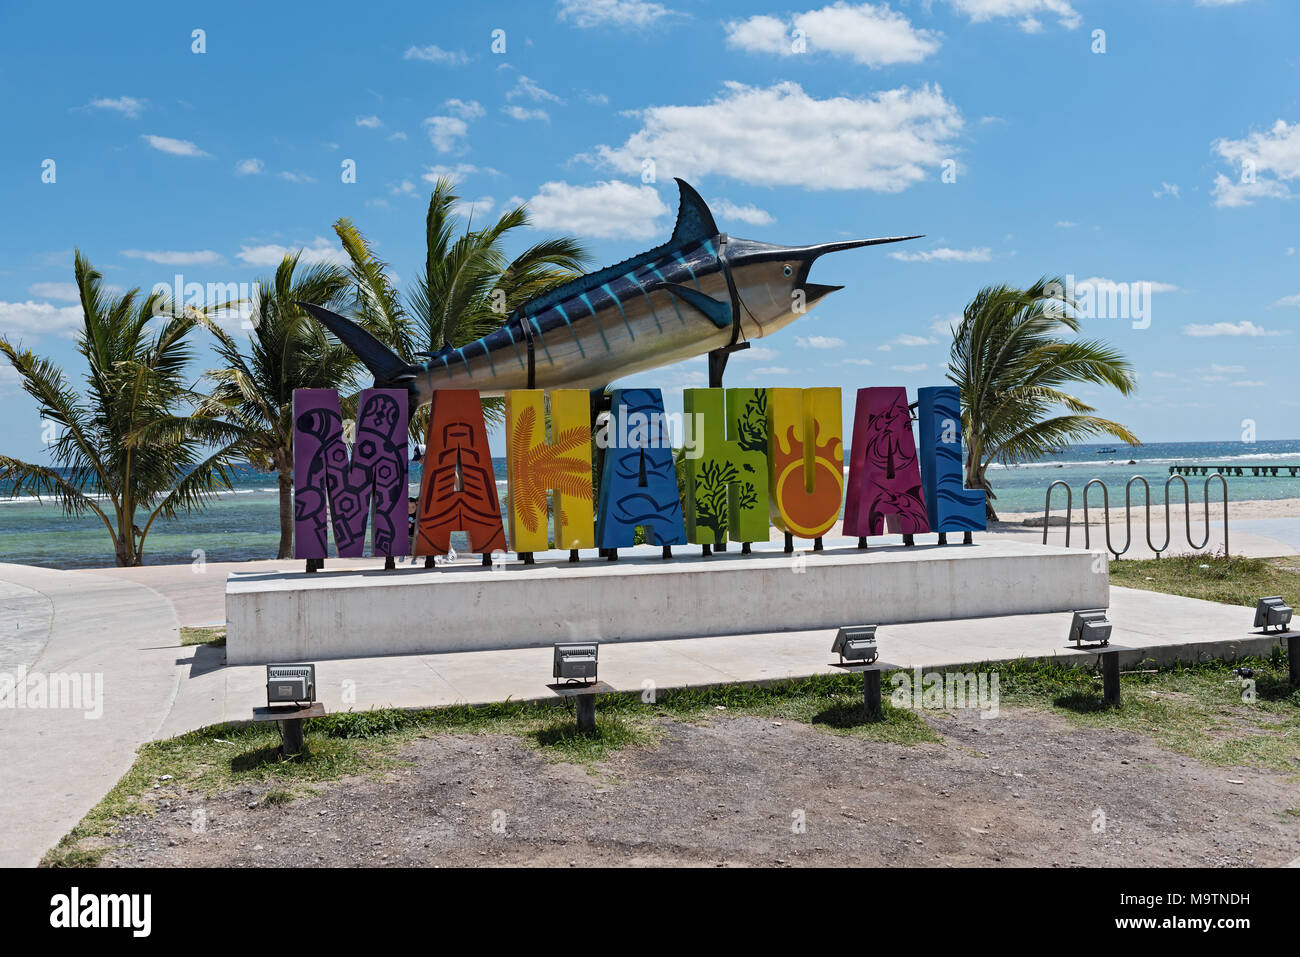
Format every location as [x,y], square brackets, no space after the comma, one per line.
[1172,158]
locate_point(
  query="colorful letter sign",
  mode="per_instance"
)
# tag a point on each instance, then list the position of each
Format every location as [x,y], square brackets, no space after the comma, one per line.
[458,489]
[805,459]
[726,477]
[326,479]
[884,475]
[638,483]
[952,506]
[561,466]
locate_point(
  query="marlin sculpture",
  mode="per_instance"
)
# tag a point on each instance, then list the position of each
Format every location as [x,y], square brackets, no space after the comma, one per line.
[701,292]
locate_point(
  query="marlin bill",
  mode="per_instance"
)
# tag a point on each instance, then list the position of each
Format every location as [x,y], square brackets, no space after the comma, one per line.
[699,292]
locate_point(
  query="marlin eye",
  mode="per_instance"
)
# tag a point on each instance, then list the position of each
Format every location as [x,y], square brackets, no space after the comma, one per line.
[787,270]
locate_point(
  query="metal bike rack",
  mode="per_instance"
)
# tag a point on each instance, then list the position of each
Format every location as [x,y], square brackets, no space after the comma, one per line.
[1128,513]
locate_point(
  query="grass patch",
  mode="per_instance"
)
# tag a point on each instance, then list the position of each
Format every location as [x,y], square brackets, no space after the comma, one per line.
[1230,580]
[1198,710]
[216,637]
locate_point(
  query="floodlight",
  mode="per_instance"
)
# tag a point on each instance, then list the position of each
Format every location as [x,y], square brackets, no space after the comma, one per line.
[575,662]
[290,685]
[1090,625]
[1272,612]
[856,643]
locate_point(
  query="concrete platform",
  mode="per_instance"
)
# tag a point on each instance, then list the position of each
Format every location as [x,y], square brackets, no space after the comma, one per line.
[465,607]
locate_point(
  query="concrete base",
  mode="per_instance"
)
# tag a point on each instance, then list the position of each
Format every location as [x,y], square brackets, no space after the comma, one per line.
[465,607]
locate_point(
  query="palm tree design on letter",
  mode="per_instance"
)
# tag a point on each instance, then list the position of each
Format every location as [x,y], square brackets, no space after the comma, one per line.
[536,467]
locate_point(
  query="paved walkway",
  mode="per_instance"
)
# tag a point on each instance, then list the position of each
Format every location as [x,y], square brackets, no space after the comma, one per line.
[58,763]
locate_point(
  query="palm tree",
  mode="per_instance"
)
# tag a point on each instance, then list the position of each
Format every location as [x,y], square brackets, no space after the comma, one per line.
[1010,360]
[250,405]
[468,287]
[135,379]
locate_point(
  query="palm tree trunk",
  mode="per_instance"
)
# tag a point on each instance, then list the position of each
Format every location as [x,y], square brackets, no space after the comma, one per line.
[286,515]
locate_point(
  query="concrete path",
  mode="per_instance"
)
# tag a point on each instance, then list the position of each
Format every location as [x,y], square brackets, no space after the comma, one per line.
[1161,628]
[105,651]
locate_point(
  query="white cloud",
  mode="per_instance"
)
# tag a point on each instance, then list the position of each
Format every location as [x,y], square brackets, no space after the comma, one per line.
[371,122]
[527,88]
[1102,285]
[759,353]
[431,174]
[979,254]
[1249,384]
[871,35]
[749,213]
[946,325]
[771,370]
[1167,189]
[1243,328]
[818,342]
[605,210]
[249,167]
[65,291]
[170,257]
[856,362]
[19,320]
[1066,224]
[436,54]
[884,142]
[319,250]
[907,339]
[175,147]
[520,113]
[293,177]
[618,13]
[475,208]
[980,11]
[398,137]
[126,105]
[920,367]
[445,132]
[1227,369]
[1164,375]
[600,99]
[465,109]
[1264,163]
[1289,300]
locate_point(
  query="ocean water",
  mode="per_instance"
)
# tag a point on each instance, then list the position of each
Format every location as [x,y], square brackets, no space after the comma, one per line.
[244,524]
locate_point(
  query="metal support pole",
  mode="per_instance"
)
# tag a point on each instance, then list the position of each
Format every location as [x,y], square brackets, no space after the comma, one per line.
[292,730]
[390,563]
[586,708]
[966,539]
[573,554]
[1110,677]
[1293,657]
[943,538]
[871,704]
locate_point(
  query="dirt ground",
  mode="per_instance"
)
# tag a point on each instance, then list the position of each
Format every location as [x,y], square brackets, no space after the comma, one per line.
[1022,789]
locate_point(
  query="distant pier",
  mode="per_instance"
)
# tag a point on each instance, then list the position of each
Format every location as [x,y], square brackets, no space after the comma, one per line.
[1256,470]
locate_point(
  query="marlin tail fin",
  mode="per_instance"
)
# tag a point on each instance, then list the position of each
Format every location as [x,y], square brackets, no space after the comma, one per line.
[390,370]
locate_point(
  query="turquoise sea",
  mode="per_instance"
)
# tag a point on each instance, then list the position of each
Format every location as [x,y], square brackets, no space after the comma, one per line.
[244,524]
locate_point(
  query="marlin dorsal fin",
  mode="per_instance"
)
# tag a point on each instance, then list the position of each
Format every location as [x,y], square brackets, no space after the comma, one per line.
[694,220]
